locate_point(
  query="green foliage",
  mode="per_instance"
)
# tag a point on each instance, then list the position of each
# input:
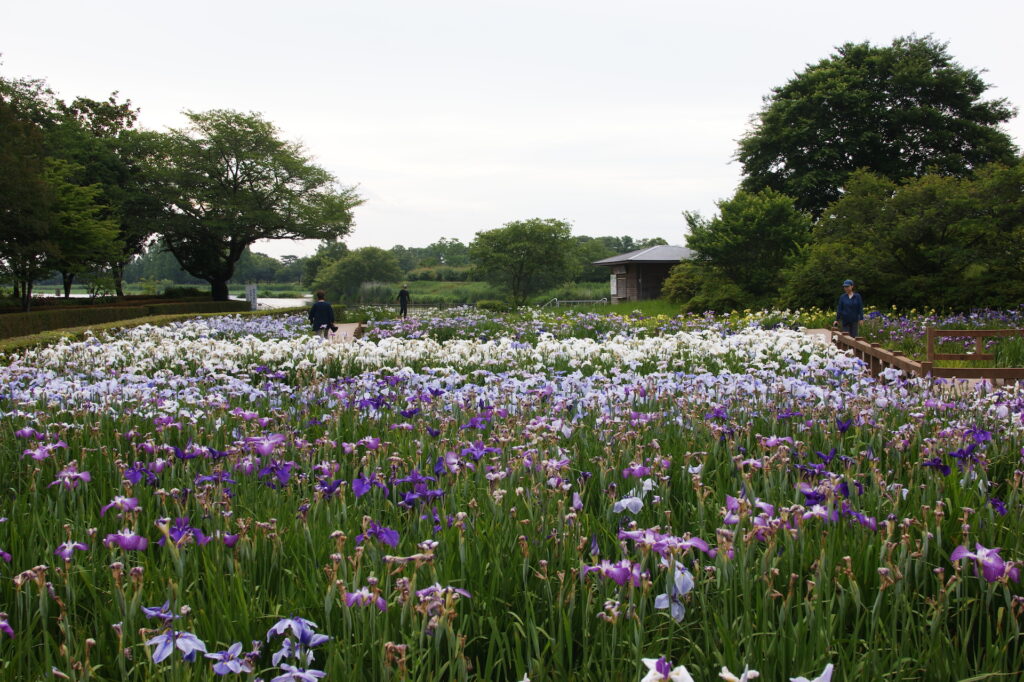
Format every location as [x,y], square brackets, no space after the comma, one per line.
[342,279]
[525,256]
[900,111]
[739,255]
[255,186]
[22,324]
[493,305]
[934,241]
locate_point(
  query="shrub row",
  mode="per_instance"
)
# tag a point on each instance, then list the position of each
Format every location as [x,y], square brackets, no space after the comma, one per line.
[22,324]
[21,343]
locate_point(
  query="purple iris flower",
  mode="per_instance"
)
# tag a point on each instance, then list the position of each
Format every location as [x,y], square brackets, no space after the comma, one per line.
[29,432]
[181,532]
[139,471]
[163,612]
[222,477]
[265,445]
[997,505]
[937,463]
[328,488]
[122,503]
[361,485]
[231,661]
[414,477]
[363,597]
[70,477]
[5,626]
[477,450]
[6,556]
[386,535]
[187,643]
[279,470]
[636,471]
[992,565]
[370,442]
[434,433]
[843,426]
[65,550]
[412,412]
[127,540]
[621,572]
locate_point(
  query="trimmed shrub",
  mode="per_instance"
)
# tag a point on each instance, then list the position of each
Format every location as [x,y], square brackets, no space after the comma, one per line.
[22,324]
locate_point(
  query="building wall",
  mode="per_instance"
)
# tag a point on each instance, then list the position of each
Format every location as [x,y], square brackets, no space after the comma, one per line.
[639,281]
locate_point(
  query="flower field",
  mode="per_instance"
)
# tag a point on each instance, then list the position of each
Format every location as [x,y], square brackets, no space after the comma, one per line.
[546,497]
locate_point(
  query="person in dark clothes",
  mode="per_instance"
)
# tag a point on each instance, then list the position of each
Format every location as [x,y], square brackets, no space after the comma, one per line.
[403,301]
[849,310]
[321,316]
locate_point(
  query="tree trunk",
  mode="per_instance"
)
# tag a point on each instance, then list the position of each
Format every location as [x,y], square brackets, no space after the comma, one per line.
[117,270]
[220,289]
[67,278]
[26,296]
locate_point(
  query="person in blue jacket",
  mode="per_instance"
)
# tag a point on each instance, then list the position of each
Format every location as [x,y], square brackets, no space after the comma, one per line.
[849,310]
[321,315]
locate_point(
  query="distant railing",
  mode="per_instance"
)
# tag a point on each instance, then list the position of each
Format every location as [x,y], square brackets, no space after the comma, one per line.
[565,301]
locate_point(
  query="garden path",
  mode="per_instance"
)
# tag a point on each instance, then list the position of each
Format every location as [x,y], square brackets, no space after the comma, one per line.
[346,333]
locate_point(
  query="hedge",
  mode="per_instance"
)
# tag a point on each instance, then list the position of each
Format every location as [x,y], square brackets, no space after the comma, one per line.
[22,324]
[11,346]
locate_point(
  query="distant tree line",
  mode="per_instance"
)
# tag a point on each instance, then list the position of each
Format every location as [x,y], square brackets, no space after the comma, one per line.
[879,164]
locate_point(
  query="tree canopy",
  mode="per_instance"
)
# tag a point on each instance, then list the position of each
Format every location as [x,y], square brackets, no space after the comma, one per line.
[739,253]
[525,256]
[228,180]
[341,280]
[900,111]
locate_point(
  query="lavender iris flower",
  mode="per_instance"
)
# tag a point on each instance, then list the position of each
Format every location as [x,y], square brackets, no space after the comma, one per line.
[363,597]
[231,661]
[825,676]
[678,585]
[187,643]
[127,540]
[992,565]
[122,503]
[65,550]
[294,674]
[295,625]
[5,626]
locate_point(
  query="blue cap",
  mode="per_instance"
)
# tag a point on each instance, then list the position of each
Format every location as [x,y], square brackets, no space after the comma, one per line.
[848,283]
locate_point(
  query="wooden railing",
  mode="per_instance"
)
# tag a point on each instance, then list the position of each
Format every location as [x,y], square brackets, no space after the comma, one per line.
[879,359]
[979,336]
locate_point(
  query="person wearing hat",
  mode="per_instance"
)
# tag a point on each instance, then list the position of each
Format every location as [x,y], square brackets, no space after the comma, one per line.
[849,310]
[403,301]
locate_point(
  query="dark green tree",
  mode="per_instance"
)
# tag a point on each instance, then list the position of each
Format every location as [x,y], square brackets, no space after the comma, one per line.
[899,111]
[588,250]
[82,239]
[327,253]
[228,180]
[341,280]
[749,242]
[25,202]
[525,256]
[933,241]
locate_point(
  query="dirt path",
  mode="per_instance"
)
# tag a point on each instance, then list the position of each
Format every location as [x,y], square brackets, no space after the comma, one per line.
[346,333]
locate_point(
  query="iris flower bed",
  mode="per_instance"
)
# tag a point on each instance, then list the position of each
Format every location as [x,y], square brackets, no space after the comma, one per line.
[907,333]
[540,497]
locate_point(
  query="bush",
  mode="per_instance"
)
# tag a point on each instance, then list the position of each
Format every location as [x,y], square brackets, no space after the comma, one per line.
[184,292]
[22,324]
[493,306]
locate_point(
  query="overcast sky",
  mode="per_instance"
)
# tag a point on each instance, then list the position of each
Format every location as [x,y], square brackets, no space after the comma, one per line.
[459,116]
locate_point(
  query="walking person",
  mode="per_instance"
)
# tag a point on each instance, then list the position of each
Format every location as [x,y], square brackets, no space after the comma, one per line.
[849,310]
[403,301]
[321,316]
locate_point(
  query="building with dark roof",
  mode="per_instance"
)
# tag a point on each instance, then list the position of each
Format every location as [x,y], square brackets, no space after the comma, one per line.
[638,275]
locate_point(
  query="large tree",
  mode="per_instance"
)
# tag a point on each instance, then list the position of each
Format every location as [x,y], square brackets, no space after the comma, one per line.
[931,242]
[228,180]
[899,111]
[26,200]
[525,256]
